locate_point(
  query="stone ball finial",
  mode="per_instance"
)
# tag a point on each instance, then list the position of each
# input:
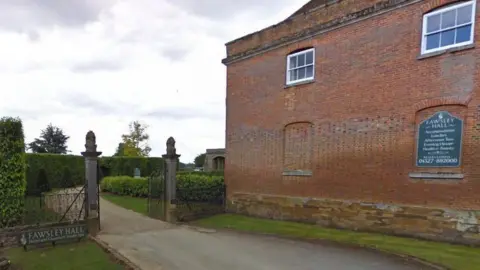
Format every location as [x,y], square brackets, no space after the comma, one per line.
[90,142]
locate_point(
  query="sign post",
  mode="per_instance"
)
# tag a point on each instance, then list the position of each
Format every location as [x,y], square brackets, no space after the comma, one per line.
[439,141]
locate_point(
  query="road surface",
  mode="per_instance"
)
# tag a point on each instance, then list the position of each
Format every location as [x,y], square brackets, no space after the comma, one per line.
[153,244]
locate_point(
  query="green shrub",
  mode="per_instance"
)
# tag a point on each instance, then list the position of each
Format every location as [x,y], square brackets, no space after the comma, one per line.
[54,166]
[12,170]
[125,186]
[197,187]
[190,187]
[67,181]
[42,183]
[213,173]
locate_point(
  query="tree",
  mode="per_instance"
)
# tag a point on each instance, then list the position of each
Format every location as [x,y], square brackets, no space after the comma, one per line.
[52,140]
[199,160]
[135,143]
[119,151]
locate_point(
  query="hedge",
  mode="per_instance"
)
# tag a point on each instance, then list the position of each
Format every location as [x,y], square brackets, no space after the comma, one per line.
[117,166]
[125,186]
[47,171]
[12,170]
[212,173]
[190,187]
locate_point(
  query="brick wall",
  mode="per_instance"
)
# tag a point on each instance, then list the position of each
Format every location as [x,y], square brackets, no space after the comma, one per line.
[369,94]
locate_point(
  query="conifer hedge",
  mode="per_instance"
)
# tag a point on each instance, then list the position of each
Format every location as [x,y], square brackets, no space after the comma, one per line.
[12,170]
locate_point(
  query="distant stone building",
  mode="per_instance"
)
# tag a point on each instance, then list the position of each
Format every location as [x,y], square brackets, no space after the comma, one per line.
[214,160]
[359,114]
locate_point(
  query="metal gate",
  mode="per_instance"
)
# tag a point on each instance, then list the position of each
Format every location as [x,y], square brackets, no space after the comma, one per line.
[43,208]
[157,207]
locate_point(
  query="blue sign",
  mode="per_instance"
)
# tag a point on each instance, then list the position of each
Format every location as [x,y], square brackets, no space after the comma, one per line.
[439,141]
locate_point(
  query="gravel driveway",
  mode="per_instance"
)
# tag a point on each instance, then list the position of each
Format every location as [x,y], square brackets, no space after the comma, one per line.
[152,244]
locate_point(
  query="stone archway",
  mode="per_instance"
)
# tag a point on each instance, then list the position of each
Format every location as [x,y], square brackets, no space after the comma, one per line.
[214,160]
[218,163]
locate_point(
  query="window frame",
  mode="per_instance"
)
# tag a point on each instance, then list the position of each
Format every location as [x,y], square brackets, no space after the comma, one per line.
[442,10]
[305,51]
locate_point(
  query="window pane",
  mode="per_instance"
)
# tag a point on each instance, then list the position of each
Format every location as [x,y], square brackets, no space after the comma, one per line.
[301,73]
[448,38]
[309,72]
[433,23]
[464,14]
[433,41]
[309,58]
[293,75]
[301,60]
[293,62]
[448,19]
[464,33]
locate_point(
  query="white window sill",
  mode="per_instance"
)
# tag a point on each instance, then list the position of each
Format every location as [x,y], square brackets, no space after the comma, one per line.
[297,173]
[450,50]
[299,83]
[436,176]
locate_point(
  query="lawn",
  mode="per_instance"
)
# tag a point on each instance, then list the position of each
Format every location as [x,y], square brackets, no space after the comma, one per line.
[82,255]
[455,257]
[138,205]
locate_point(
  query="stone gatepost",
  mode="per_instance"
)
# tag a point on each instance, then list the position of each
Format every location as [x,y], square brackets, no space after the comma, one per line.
[91,193]
[171,160]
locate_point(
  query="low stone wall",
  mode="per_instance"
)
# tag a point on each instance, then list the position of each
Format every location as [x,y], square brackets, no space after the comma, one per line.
[67,202]
[449,225]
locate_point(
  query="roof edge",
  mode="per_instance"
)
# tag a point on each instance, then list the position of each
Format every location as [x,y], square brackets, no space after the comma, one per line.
[376,9]
[289,18]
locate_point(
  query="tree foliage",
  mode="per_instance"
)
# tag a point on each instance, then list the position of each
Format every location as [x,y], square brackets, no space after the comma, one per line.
[200,160]
[135,143]
[52,140]
[119,151]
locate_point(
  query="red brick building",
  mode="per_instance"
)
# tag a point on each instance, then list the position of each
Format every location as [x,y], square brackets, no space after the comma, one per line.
[361,115]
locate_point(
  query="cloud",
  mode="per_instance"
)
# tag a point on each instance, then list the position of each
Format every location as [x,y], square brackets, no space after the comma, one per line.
[96,65]
[100,64]
[224,9]
[24,15]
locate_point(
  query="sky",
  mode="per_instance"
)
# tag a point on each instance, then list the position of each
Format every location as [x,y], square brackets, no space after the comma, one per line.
[99,64]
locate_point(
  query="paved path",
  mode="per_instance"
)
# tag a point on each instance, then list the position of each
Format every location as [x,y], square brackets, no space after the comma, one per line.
[153,244]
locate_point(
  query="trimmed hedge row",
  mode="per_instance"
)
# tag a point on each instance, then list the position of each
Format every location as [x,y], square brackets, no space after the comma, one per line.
[125,186]
[47,171]
[117,166]
[190,187]
[213,173]
[12,170]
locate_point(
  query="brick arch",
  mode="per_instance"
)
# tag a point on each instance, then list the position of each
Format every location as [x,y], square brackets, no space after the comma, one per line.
[434,102]
[436,4]
[287,124]
[218,156]
[300,49]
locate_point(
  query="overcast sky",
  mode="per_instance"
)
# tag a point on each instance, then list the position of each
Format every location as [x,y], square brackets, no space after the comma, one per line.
[99,64]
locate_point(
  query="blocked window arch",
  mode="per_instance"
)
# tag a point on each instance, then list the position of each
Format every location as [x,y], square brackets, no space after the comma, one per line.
[433,140]
[298,150]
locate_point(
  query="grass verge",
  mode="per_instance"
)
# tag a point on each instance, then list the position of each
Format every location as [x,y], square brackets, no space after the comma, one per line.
[136,204]
[455,257]
[77,256]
